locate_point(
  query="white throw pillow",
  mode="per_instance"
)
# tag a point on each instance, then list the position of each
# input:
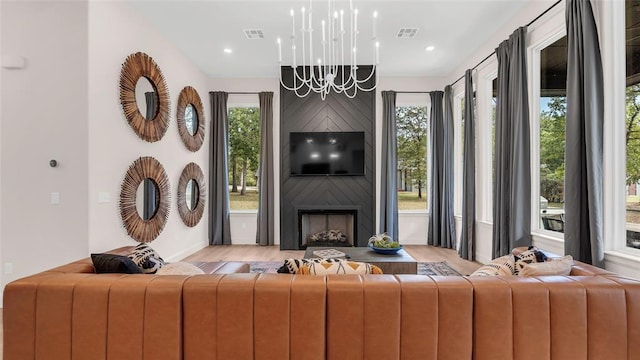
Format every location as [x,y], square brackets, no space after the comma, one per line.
[501,266]
[557,266]
[179,268]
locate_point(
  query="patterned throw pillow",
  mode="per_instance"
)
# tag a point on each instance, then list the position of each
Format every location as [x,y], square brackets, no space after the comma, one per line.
[532,255]
[340,267]
[111,263]
[146,258]
[504,265]
[292,266]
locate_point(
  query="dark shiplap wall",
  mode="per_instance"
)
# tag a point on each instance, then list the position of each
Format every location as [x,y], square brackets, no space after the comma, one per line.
[336,113]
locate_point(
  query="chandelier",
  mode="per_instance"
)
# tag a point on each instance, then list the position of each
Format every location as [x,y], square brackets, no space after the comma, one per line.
[330,72]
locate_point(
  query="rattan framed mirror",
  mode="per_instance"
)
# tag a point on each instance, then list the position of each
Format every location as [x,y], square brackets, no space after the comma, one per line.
[192,194]
[143,228]
[152,125]
[190,115]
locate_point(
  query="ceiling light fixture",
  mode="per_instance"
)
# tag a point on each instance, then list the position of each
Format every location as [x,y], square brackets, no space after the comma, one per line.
[228,51]
[330,73]
[430,48]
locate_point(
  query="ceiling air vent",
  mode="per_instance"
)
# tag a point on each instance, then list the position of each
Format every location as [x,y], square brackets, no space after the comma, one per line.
[253,34]
[407,33]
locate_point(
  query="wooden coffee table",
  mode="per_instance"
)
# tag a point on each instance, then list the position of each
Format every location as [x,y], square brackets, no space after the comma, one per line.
[400,263]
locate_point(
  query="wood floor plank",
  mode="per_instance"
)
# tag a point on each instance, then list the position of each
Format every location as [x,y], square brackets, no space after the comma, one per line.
[422,253]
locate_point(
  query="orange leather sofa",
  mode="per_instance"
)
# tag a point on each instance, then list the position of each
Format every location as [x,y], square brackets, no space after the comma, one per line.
[71,313]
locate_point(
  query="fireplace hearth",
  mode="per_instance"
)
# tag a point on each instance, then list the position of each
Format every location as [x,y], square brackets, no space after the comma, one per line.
[327,227]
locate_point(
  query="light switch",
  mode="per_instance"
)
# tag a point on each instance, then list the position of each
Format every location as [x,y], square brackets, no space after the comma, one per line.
[55,198]
[103,197]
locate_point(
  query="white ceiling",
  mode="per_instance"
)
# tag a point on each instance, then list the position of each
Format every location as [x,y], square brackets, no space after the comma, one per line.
[202,29]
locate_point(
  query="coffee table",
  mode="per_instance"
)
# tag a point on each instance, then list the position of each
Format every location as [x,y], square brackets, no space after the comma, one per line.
[399,263]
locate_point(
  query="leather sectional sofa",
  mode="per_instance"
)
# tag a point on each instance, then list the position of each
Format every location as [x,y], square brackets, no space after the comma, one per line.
[71,313]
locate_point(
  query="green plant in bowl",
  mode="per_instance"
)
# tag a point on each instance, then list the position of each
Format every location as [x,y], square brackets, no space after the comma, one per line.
[383,241]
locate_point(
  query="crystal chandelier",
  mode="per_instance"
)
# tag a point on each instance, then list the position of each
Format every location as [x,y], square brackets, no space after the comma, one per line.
[330,73]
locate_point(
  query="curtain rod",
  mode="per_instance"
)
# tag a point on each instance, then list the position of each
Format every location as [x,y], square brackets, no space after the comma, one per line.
[493,52]
[413,92]
[239,92]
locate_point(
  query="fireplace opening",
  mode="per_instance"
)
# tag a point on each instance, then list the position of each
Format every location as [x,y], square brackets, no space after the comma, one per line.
[327,228]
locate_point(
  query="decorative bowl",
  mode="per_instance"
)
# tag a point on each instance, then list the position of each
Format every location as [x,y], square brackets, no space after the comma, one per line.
[635,244]
[385,251]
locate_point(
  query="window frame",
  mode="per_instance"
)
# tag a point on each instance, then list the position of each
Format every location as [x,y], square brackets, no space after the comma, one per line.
[426,104]
[533,54]
[235,105]
[458,151]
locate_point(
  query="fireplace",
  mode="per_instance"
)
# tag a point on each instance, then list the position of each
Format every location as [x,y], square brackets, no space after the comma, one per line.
[327,227]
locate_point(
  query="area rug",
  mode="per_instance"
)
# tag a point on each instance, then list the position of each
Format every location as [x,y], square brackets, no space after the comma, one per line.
[424,268]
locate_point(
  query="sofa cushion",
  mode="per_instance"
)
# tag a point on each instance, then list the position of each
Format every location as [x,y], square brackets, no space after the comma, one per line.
[339,267]
[504,265]
[146,258]
[110,263]
[292,266]
[558,266]
[179,268]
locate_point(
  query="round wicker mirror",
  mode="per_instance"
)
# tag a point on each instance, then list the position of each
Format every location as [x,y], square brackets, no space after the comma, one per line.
[150,128]
[190,115]
[144,169]
[192,194]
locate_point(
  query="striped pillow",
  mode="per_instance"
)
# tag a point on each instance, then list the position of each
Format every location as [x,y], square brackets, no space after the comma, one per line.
[340,267]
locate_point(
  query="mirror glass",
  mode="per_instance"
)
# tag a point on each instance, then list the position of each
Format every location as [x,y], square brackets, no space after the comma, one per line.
[191,119]
[192,194]
[146,98]
[147,199]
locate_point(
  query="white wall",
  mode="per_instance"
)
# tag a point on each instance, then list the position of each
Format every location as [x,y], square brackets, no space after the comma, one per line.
[43,117]
[115,31]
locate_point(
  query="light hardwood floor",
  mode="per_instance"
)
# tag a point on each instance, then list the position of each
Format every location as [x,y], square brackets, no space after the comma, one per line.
[422,253]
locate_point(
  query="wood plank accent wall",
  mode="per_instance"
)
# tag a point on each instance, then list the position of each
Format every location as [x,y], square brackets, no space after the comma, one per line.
[336,113]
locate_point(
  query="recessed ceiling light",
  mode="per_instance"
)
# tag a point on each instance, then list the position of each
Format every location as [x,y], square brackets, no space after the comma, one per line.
[430,48]
[228,51]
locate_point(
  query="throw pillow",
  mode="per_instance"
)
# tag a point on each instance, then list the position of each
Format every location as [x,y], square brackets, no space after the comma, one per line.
[532,255]
[292,266]
[504,265]
[179,268]
[559,266]
[340,267]
[110,263]
[146,258]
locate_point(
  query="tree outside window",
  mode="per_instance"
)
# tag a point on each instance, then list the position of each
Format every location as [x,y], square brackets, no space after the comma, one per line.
[412,129]
[244,156]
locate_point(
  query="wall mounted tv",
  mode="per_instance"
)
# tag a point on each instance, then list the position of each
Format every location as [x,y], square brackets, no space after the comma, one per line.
[326,153]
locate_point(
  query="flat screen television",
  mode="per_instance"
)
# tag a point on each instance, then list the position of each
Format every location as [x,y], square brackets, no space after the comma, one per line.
[326,153]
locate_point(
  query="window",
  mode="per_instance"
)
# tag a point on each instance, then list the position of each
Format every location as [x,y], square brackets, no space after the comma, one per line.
[632,123]
[553,109]
[244,155]
[412,126]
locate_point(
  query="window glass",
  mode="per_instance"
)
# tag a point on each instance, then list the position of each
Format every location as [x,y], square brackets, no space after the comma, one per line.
[412,126]
[553,109]
[244,155]
[632,124]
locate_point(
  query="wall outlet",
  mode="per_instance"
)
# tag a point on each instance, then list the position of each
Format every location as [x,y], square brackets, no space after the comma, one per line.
[8,268]
[55,198]
[103,197]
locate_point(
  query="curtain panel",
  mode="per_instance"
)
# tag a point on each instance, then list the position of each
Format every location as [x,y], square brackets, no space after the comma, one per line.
[583,236]
[512,168]
[441,222]
[219,226]
[466,249]
[266,215]
[389,167]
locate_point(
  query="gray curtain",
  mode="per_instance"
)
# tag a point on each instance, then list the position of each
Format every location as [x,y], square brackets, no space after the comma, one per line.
[266,215]
[389,167]
[512,170]
[219,228]
[442,231]
[468,236]
[583,228]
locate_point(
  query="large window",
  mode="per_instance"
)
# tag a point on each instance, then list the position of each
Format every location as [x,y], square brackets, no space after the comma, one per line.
[244,155]
[553,109]
[412,126]
[632,123]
